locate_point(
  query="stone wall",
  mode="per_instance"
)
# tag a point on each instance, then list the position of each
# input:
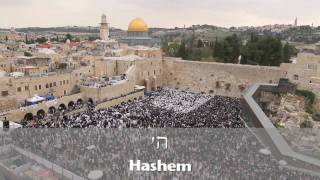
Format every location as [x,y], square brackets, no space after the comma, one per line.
[105,68]
[111,91]
[5,64]
[149,73]
[133,96]
[216,78]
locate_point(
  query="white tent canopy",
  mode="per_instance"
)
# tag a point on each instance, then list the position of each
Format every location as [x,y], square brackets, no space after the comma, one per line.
[91,147]
[265,151]
[35,98]
[282,162]
[94,175]
[17,74]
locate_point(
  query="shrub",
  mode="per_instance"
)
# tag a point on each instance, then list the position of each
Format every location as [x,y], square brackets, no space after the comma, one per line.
[306,124]
[28,54]
[307,94]
[278,125]
[310,109]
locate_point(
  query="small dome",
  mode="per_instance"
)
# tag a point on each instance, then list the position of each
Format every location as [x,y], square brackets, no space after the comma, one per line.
[138,25]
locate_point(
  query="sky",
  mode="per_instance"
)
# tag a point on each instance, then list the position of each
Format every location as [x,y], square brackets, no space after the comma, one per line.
[157,13]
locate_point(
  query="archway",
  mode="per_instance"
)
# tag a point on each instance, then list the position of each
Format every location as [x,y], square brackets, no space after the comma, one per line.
[41,114]
[52,110]
[79,101]
[62,107]
[28,117]
[71,105]
[90,101]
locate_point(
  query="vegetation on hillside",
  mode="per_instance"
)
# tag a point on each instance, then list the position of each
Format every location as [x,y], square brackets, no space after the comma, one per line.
[266,51]
[41,40]
[304,34]
[306,124]
[258,50]
[310,99]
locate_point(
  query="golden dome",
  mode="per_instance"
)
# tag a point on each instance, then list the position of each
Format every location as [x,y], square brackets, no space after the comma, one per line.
[138,25]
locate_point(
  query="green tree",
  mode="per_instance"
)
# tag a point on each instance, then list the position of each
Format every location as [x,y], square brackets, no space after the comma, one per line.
[266,51]
[41,40]
[309,95]
[233,48]
[199,54]
[200,44]
[228,50]
[27,41]
[288,52]
[93,38]
[218,50]
[182,51]
[165,47]
[306,124]
[32,41]
[253,37]
[68,36]
[173,49]
[193,37]
[28,54]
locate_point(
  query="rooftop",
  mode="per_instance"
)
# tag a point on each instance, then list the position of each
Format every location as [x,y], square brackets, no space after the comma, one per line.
[124,58]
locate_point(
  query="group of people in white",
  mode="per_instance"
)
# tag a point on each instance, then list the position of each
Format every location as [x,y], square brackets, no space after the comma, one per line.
[164,108]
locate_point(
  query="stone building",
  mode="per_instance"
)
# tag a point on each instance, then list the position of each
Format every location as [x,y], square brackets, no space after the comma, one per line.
[317,48]
[104,29]
[138,34]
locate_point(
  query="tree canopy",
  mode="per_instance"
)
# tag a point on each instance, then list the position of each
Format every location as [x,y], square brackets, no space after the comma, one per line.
[41,40]
[257,50]
[28,54]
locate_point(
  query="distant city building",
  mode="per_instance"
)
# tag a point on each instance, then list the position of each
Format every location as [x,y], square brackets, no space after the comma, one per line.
[104,29]
[296,22]
[317,48]
[12,30]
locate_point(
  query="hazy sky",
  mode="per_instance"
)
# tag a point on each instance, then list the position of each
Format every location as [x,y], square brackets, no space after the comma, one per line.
[157,13]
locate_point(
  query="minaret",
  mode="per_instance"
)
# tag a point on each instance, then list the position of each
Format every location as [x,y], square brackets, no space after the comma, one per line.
[296,22]
[104,29]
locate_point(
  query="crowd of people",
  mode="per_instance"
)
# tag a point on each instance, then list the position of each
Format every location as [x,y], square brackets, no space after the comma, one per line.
[164,108]
[199,137]
[213,153]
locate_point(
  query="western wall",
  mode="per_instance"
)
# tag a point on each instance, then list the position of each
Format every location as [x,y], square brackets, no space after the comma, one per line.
[216,78]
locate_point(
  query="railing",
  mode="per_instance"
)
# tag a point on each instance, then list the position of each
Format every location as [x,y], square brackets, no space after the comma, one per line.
[54,167]
[255,117]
